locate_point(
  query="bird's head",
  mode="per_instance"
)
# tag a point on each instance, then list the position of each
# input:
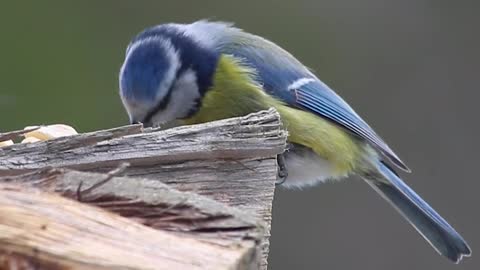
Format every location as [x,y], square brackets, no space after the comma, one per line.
[164,75]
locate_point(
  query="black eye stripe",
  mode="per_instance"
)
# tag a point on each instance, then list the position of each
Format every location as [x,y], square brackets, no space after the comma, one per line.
[203,61]
[160,106]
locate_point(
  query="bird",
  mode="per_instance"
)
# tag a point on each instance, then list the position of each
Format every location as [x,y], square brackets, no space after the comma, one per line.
[206,70]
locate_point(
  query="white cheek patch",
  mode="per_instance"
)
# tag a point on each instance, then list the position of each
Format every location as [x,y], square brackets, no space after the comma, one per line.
[183,98]
[174,66]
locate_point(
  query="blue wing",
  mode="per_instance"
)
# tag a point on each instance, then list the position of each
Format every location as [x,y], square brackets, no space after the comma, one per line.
[319,98]
[278,71]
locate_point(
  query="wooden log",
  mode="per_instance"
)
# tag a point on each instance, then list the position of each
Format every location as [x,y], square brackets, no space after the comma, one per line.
[39,230]
[147,201]
[257,135]
[232,161]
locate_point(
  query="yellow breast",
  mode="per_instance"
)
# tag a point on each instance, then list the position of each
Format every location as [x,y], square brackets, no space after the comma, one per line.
[235,93]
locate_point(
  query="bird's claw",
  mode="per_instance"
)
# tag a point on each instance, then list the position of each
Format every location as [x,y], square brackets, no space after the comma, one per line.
[282,172]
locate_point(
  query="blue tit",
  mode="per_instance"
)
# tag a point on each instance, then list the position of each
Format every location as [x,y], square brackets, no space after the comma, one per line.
[205,71]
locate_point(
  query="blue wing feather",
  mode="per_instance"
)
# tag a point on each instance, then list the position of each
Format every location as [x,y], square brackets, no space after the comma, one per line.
[285,78]
[277,70]
[317,97]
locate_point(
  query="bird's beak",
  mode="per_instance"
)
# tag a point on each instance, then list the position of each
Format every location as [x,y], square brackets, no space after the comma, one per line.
[146,124]
[135,122]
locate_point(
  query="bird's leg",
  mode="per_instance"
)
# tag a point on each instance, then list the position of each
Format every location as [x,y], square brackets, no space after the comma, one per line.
[282,171]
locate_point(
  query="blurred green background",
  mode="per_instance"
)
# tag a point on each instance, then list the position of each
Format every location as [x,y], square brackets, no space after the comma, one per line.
[410,67]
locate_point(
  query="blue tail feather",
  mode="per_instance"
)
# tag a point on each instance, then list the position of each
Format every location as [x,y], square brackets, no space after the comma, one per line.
[443,238]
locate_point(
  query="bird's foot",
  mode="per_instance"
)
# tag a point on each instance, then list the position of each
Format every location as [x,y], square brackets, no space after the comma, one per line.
[282,172]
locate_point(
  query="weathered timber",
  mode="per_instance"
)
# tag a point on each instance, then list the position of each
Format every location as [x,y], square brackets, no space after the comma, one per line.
[147,201]
[257,135]
[232,160]
[41,230]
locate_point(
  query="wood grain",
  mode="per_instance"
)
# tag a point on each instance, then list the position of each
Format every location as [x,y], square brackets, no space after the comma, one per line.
[51,232]
[232,161]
